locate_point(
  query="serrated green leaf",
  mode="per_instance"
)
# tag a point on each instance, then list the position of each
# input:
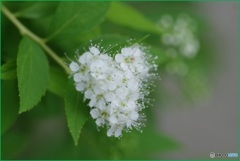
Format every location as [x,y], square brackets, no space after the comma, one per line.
[126,15]
[37,9]
[32,73]
[76,111]
[57,81]
[76,18]
[8,70]
[9,104]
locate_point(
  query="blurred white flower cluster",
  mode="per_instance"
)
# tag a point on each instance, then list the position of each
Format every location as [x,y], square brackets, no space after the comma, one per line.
[115,87]
[179,35]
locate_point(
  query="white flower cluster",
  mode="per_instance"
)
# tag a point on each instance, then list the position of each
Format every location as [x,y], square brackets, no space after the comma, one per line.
[179,35]
[115,87]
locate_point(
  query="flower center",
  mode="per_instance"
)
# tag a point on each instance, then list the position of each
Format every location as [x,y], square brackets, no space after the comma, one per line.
[123,104]
[100,96]
[129,59]
[83,69]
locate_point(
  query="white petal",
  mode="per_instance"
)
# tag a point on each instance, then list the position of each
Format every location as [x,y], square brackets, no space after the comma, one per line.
[85,77]
[132,85]
[113,120]
[103,84]
[129,124]
[95,113]
[112,86]
[109,96]
[126,51]
[118,132]
[115,102]
[92,102]
[94,50]
[124,66]
[122,93]
[77,77]
[131,105]
[80,86]
[134,115]
[97,90]
[83,59]
[100,121]
[139,67]
[137,52]
[101,104]
[74,66]
[122,117]
[119,58]
[110,132]
[88,94]
[129,74]
[132,67]
[105,57]
[134,96]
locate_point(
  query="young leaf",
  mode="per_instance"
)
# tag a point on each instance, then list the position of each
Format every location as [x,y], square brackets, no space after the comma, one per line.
[125,15]
[37,9]
[110,42]
[9,104]
[8,70]
[32,73]
[76,111]
[75,18]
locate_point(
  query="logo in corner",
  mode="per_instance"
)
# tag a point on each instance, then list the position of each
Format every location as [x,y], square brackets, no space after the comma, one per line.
[212,155]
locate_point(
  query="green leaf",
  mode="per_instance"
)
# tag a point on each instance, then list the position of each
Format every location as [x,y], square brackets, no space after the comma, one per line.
[33,10]
[70,45]
[110,42]
[57,81]
[126,15]
[32,73]
[10,104]
[76,111]
[8,70]
[75,18]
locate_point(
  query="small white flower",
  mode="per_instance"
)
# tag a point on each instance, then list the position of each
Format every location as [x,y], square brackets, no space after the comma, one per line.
[131,58]
[113,86]
[180,34]
[115,130]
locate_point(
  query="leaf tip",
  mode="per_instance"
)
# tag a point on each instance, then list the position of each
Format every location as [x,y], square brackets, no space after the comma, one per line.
[76,143]
[21,111]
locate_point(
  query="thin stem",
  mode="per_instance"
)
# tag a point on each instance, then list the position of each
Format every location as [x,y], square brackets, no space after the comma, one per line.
[25,31]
